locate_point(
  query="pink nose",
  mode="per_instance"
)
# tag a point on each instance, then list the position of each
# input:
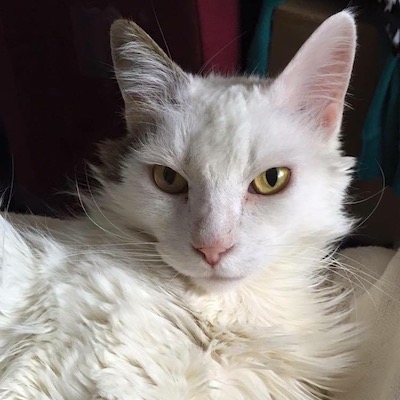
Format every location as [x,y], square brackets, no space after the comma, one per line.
[213,254]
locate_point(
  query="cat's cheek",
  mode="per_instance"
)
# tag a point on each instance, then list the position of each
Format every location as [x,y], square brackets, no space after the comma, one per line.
[181,257]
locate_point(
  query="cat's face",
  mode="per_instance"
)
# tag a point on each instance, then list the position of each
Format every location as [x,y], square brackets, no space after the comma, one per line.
[260,179]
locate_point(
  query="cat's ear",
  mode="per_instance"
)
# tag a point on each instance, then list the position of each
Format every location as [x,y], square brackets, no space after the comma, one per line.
[148,79]
[316,80]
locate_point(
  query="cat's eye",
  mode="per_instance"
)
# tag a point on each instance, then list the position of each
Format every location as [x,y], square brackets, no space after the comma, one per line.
[271,181]
[168,180]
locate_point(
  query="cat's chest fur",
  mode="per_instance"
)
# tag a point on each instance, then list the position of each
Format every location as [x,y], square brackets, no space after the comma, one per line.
[96,325]
[162,338]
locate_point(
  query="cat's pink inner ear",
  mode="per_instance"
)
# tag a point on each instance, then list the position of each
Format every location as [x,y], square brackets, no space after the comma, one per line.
[315,82]
[331,116]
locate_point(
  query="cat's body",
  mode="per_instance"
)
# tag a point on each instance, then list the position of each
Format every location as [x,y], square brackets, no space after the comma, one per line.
[204,283]
[83,320]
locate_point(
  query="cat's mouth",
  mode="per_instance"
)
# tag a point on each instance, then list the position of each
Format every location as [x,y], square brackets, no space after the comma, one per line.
[225,278]
[218,279]
[218,283]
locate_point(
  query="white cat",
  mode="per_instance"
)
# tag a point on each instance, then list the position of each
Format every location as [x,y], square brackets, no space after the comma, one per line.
[201,269]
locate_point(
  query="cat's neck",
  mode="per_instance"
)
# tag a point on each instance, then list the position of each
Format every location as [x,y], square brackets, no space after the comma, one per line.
[280,291]
[260,298]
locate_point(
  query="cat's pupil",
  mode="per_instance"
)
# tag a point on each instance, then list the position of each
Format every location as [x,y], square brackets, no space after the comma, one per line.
[272,176]
[169,175]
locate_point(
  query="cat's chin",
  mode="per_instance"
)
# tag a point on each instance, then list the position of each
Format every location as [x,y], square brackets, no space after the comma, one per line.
[216,283]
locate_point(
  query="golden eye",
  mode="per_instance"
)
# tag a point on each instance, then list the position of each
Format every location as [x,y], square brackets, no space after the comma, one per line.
[168,180]
[271,181]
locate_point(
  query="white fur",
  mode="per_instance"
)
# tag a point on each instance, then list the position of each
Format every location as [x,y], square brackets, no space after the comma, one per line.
[118,305]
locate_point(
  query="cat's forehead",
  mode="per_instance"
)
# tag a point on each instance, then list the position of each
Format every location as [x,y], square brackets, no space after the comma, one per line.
[239,124]
[228,128]
[219,130]
[220,116]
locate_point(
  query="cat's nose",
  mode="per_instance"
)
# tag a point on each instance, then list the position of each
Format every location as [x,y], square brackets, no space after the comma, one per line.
[213,254]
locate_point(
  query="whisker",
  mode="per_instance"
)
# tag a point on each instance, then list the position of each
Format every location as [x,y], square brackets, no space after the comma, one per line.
[367,198]
[161,31]
[97,206]
[372,284]
[372,274]
[346,271]
[201,70]
[90,218]
[378,202]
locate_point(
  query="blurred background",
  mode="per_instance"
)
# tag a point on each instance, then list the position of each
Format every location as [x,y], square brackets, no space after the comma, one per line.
[58,96]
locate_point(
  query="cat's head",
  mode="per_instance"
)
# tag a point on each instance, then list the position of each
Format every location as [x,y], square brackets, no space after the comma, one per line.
[231,175]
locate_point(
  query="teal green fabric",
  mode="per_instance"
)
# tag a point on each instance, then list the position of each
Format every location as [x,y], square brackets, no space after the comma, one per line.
[390,138]
[394,127]
[258,57]
[370,162]
[380,151]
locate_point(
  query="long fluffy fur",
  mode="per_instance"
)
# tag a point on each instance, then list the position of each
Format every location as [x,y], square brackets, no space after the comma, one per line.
[118,305]
[78,322]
